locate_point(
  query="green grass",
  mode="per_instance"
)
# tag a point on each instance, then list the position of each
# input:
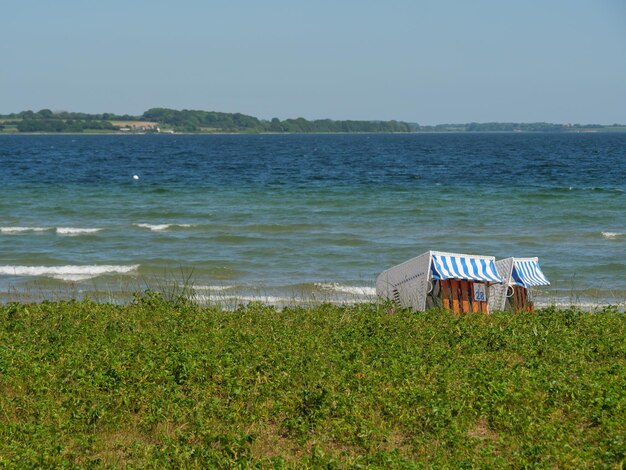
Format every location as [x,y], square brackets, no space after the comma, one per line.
[165,383]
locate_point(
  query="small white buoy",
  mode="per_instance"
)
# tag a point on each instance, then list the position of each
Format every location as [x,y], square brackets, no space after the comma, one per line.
[135,177]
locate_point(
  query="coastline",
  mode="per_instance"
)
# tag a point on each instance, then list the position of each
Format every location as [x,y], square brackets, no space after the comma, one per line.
[123,289]
[598,131]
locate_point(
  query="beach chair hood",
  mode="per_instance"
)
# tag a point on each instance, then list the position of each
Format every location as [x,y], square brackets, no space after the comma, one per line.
[526,272]
[523,272]
[464,267]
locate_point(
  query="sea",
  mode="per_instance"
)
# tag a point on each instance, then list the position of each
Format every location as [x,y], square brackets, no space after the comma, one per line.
[302,219]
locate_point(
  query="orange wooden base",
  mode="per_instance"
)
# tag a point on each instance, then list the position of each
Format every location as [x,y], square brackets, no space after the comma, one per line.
[458,296]
[521,301]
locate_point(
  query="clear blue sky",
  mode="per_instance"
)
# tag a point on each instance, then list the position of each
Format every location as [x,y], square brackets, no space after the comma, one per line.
[425,61]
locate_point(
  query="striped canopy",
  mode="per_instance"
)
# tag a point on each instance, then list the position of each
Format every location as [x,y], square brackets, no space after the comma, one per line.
[528,273]
[471,268]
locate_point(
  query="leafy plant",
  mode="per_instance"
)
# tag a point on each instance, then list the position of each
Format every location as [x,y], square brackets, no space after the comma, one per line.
[162,382]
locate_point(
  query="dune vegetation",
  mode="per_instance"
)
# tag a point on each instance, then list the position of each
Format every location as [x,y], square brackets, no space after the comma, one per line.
[163,382]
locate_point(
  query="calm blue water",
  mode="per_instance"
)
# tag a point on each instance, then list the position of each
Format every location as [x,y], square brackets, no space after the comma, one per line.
[312,217]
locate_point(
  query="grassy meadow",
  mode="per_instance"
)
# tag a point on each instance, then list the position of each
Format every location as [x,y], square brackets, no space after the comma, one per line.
[163,382]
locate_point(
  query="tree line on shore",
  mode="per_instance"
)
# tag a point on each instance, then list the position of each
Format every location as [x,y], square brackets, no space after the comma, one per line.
[199,121]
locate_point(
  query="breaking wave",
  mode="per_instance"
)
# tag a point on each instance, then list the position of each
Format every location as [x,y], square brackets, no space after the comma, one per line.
[362,291]
[612,235]
[231,301]
[162,227]
[214,288]
[72,231]
[15,230]
[68,272]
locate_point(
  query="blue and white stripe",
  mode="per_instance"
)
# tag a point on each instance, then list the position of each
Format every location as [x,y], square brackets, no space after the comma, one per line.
[471,268]
[528,273]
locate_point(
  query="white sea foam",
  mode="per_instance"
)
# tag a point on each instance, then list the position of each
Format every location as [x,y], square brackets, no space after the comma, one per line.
[332,292]
[59,230]
[330,287]
[363,291]
[15,230]
[213,288]
[234,300]
[73,231]
[611,235]
[246,298]
[161,227]
[67,273]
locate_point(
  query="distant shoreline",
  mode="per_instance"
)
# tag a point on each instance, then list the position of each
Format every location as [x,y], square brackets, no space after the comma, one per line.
[600,131]
[172,121]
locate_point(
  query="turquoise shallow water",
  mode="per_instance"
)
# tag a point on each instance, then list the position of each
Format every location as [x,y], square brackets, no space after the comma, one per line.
[305,217]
